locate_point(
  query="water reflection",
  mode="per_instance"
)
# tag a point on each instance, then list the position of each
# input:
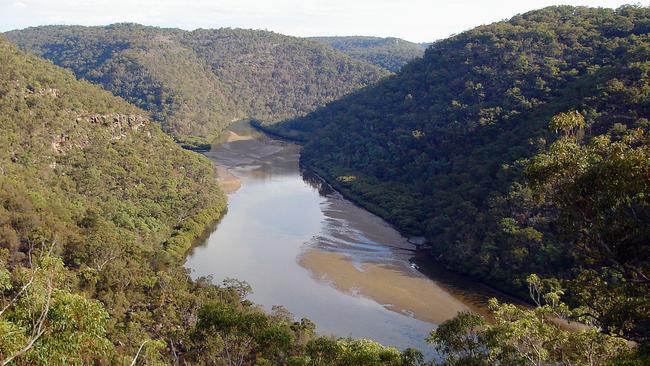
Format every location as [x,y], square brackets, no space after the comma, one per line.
[301,245]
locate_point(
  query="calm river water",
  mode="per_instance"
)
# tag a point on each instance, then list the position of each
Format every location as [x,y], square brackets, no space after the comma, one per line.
[301,245]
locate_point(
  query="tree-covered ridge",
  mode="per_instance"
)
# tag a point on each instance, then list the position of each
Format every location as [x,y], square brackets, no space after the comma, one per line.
[196,83]
[97,203]
[434,148]
[389,53]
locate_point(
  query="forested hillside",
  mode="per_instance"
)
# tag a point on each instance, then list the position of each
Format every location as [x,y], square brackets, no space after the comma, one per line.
[196,83]
[437,150]
[96,203]
[97,210]
[519,149]
[389,53]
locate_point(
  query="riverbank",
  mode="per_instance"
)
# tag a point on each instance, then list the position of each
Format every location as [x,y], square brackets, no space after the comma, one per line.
[193,228]
[423,259]
[291,136]
[301,244]
[473,291]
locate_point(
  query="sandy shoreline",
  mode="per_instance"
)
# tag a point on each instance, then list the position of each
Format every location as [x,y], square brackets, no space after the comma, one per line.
[228,182]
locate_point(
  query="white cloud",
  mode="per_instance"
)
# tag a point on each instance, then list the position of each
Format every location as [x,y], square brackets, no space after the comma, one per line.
[417,20]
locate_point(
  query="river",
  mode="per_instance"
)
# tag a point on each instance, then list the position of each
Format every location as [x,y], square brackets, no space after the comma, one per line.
[301,245]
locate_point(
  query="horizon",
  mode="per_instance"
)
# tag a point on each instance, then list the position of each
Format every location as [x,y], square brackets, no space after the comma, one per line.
[417,21]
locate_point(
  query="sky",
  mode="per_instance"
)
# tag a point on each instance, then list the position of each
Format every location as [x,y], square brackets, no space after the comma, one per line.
[413,20]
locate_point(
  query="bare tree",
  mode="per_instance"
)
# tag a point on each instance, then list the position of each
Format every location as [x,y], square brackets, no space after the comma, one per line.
[39,322]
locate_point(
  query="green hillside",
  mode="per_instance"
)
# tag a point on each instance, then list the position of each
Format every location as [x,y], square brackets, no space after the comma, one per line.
[97,209]
[520,150]
[435,148]
[196,83]
[89,178]
[389,53]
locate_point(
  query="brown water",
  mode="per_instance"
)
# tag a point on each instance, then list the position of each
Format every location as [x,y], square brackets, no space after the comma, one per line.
[300,244]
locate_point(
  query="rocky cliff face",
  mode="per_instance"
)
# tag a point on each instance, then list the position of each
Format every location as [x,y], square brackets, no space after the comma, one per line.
[117,126]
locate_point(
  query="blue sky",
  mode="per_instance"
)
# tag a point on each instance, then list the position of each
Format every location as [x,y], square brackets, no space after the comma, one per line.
[414,20]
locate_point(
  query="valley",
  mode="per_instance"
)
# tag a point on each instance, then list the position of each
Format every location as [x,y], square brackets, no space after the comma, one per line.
[485,201]
[301,245]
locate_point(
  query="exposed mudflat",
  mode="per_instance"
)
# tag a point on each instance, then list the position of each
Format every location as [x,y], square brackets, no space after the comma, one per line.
[228,182]
[302,245]
[395,288]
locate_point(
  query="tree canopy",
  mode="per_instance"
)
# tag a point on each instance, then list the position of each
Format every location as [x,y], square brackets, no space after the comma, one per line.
[441,148]
[388,53]
[196,83]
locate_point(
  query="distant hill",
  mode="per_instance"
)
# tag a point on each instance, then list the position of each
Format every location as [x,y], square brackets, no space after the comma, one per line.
[389,53]
[196,83]
[434,149]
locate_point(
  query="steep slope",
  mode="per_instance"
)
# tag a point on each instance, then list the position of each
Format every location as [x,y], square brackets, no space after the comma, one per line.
[197,82]
[434,148]
[389,53]
[88,177]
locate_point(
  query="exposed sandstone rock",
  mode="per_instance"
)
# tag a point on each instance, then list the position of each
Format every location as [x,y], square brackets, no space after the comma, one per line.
[118,125]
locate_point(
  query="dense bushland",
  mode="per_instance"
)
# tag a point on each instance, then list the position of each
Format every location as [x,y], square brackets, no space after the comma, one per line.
[440,150]
[196,83]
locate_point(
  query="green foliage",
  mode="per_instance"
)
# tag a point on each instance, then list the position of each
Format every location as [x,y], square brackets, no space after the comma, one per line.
[389,53]
[456,146]
[599,195]
[347,352]
[567,122]
[43,323]
[458,340]
[87,176]
[241,335]
[480,102]
[98,208]
[596,198]
[196,83]
[237,334]
[520,336]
